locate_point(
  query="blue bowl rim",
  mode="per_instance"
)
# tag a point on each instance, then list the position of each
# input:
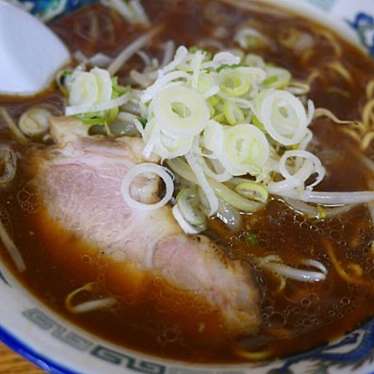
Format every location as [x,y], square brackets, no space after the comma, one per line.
[31,355]
[40,360]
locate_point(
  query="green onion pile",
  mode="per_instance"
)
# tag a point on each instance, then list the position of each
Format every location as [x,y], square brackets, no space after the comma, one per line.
[229,129]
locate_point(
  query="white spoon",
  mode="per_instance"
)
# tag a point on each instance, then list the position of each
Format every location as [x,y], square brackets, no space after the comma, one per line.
[30,53]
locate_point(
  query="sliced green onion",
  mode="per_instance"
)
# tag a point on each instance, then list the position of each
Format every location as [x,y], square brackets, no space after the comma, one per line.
[207,85]
[147,168]
[84,109]
[196,67]
[89,88]
[305,165]
[95,96]
[225,58]
[180,111]
[234,82]
[183,223]
[180,57]
[277,78]
[241,149]
[253,191]
[164,145]
[234,199]
[283,116]
[188,204]
[254,61]
[233,113]
[181,168]
[214,169]
[196,165]
[227,66]
[214,119]
[245,150]
[213,138]
[172,79]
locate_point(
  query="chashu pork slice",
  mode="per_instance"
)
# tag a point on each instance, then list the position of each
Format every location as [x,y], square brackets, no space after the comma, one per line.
[79,181]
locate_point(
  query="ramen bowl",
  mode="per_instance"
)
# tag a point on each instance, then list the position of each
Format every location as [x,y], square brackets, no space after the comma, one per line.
[40,335]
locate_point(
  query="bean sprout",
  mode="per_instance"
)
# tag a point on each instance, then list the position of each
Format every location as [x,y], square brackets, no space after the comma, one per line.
[88,306]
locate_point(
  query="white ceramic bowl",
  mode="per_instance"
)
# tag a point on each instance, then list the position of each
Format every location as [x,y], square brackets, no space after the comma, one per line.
[37,333]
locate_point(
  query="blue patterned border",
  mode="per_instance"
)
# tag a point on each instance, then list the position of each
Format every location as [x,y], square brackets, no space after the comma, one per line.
[363,24]
[28,353]
[360,344]
[77,342]
[49,9]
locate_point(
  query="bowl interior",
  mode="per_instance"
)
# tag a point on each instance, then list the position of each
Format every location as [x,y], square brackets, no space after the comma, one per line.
[53,343]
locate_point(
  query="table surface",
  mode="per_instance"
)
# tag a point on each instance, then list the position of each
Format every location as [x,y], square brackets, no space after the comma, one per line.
[11,363]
